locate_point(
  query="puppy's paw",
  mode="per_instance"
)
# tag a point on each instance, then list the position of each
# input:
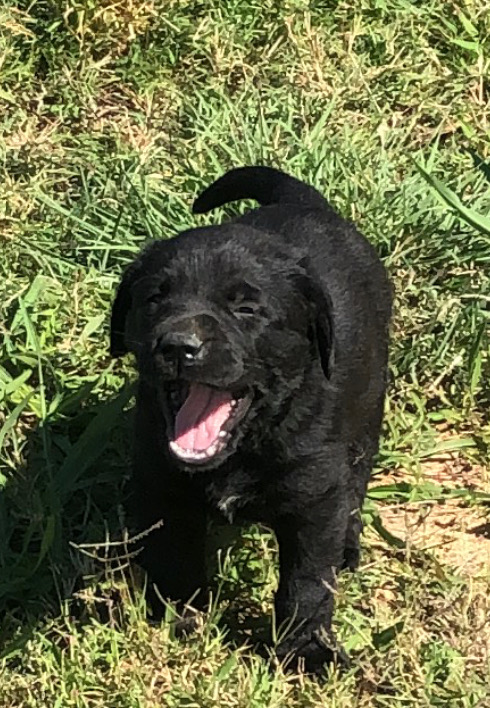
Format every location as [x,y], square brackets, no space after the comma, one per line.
[183,619]
[311,655]
[189,621]
[352,557]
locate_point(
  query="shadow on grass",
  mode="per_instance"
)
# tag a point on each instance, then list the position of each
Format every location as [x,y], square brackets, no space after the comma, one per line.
[242,573]
[63,525]
[70,492]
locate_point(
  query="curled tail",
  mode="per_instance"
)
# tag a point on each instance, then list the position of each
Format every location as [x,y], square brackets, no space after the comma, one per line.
[264,184]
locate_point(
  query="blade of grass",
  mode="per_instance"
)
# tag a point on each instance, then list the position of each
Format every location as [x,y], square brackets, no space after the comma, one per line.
[448,197]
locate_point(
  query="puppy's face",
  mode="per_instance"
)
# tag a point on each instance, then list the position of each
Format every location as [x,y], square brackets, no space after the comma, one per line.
[220,334]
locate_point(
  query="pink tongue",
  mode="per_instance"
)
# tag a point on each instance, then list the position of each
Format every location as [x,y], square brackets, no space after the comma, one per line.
[199,421]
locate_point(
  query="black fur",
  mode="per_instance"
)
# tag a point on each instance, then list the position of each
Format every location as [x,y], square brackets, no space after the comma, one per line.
[288,307]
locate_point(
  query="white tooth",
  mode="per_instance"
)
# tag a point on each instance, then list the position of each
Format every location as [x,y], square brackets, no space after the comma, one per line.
[222,434]
[192,456]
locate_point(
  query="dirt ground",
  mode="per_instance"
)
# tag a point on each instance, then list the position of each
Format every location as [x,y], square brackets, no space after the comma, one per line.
[455,532]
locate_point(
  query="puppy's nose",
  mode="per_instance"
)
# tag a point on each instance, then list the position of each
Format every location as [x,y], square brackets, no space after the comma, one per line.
[180,346]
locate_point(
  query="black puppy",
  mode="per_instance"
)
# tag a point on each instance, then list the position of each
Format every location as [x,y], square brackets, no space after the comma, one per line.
[261,346]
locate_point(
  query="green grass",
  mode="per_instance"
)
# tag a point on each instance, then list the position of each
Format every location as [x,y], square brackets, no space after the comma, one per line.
[113,116]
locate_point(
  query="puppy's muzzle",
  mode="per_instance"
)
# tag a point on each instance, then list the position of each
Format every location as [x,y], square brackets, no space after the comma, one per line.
[195,348]
[181,348]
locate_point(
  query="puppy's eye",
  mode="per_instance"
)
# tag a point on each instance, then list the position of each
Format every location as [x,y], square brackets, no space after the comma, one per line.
[156,297]
[246,310]
[244,300]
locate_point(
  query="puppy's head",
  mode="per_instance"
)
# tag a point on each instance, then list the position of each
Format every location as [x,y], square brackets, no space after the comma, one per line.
[222,330]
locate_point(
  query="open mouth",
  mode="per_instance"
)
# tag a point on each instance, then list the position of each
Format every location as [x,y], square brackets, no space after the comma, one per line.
[204,421]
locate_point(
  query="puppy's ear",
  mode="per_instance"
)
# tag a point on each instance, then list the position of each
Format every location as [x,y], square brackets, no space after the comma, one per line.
[321,330]
[120,309]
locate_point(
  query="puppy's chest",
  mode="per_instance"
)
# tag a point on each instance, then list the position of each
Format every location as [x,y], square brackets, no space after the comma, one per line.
[238,495]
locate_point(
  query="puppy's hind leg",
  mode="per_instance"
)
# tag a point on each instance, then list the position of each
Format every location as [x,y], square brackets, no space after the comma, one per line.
[361,464]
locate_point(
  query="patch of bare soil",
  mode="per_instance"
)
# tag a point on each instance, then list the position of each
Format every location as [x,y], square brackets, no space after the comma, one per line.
[456,533]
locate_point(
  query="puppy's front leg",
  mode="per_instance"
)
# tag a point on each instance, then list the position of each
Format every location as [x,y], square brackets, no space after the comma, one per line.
[311,545]
[174,554]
